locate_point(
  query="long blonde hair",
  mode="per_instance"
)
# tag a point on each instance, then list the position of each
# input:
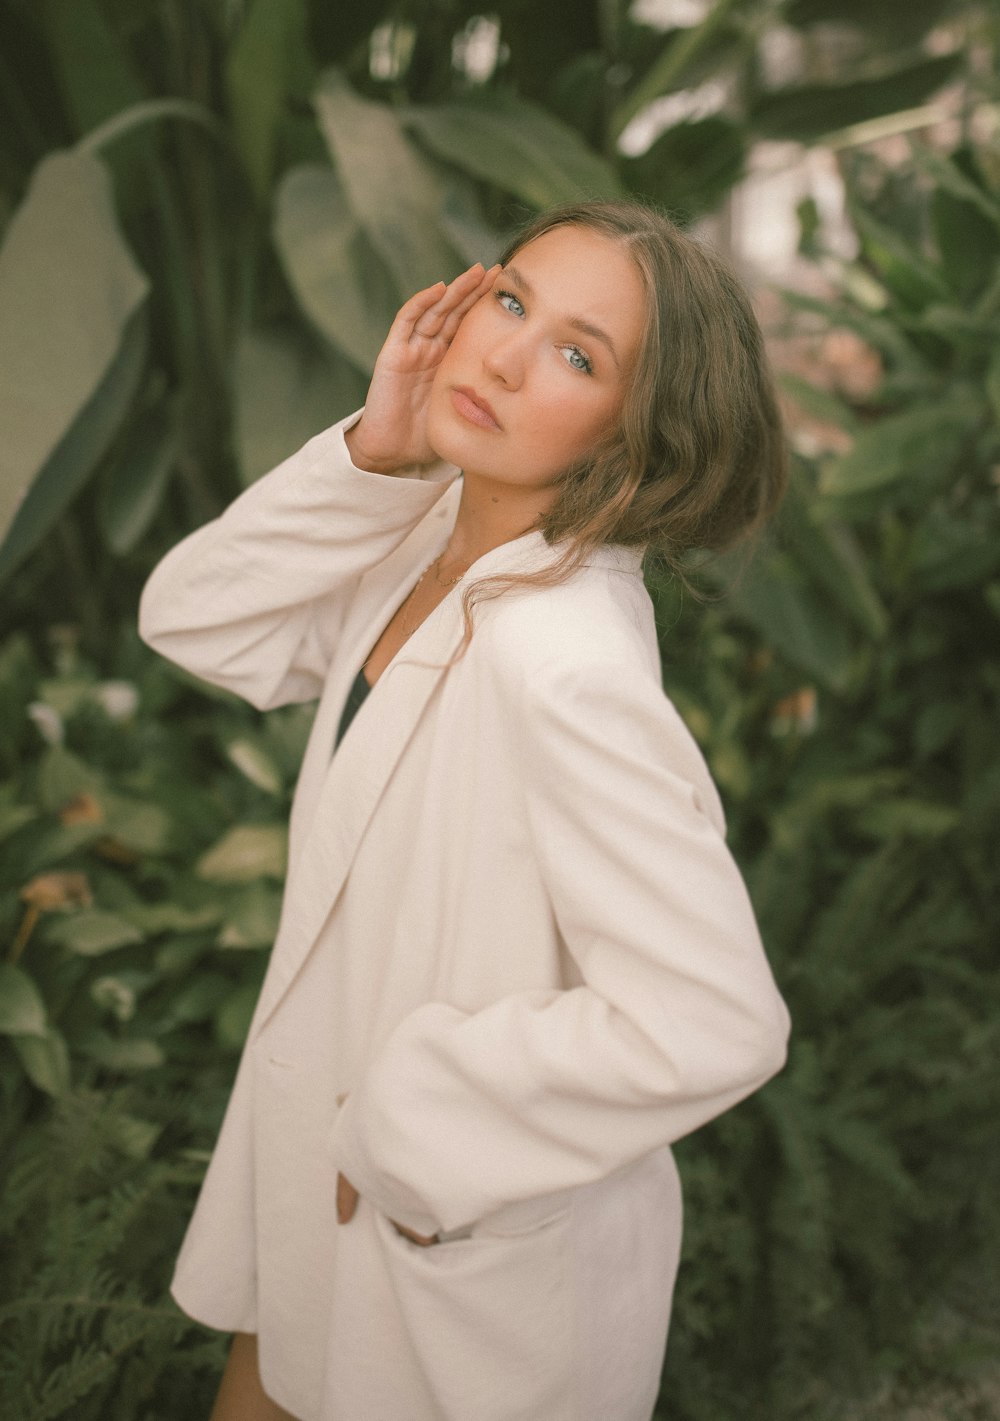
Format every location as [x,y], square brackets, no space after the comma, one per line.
[696,457]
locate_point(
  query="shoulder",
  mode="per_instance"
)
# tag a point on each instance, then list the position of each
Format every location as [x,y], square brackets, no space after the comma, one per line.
[578,664]
[601,615]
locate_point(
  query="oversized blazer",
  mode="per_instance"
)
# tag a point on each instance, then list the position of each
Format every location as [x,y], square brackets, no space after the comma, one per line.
[515,961]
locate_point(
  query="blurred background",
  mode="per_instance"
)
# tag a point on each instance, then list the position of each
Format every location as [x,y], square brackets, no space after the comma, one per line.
[209,212]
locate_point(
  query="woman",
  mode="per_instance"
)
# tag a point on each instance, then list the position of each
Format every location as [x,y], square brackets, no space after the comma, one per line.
[516,959]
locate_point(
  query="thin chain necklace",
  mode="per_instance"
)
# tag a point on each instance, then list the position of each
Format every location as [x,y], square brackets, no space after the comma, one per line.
[447,582]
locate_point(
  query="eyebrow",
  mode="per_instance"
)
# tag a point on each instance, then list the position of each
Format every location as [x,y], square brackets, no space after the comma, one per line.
[577,322]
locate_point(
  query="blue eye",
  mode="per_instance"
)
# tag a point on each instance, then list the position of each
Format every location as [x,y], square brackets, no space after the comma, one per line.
[578,359]
[508,296]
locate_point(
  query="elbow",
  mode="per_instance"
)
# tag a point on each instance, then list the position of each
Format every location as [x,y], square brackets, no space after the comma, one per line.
[768,1051]
[152,626]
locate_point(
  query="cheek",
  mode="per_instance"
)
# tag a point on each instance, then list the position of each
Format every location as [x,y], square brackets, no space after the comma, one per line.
[573,424]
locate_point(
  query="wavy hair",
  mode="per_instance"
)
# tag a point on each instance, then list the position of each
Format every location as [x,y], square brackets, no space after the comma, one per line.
[696,458]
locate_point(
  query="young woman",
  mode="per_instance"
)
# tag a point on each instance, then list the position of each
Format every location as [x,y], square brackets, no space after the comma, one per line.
[516,959]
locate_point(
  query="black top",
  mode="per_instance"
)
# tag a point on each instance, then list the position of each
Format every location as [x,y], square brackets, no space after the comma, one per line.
[355,696]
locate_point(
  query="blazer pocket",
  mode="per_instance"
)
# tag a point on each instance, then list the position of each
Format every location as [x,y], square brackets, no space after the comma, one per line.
[525,1216]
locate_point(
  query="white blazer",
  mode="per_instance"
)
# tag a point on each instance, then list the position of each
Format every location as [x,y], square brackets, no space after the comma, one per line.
[512,935]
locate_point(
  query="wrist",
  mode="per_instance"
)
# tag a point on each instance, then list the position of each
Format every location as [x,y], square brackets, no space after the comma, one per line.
[366,460]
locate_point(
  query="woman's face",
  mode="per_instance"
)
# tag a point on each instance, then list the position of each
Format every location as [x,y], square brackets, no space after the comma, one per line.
[538,367]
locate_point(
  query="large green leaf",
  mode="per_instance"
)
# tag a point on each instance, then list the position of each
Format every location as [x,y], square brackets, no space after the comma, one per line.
[968,242]
[268,62]
[830,553]
[810,112]
[516,145]
[340,283]
[910,445]
[691,166]
[392,190]
[22,1011]
[287,390]
[93,932]
[907,274]
[252,919]
[71,345]
[246,852]
[776,596]
[45,1060]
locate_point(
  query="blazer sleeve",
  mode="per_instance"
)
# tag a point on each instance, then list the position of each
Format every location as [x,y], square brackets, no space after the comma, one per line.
[678,1017]
[254,601]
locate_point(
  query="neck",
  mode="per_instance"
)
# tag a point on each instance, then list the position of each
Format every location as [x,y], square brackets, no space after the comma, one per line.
[491,513]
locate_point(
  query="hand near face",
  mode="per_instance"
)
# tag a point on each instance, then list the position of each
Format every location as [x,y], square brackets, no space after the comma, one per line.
[392,432]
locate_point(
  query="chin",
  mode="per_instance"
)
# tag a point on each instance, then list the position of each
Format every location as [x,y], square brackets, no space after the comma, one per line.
[448,439]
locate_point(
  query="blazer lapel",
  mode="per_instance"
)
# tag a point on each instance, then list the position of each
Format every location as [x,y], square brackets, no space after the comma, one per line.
[356,775]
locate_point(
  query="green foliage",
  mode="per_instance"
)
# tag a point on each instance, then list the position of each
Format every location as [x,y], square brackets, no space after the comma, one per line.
[199,182]
[92,1201]
[847,692]
[142,826]
[233,170]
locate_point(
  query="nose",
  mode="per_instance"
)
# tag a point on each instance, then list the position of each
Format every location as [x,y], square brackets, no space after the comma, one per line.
[505,359]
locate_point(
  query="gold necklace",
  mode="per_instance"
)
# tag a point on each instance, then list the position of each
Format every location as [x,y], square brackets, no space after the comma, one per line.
[449,582]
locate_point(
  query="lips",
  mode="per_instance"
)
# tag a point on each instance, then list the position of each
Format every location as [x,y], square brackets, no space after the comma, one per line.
[474,408]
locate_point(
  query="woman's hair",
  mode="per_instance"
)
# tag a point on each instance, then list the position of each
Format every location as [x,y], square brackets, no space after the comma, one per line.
[696,458]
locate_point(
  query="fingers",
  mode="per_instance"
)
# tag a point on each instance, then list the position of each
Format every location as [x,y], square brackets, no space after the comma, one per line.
[454,318]
[424,1240]
[429,310]
[347,1200]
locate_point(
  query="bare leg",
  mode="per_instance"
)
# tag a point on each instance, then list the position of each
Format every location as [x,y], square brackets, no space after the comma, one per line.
[241,1396]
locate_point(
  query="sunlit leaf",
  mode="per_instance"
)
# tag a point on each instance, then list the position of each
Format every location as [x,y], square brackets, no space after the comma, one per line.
[252,921]
[809,112]
[22,1011]
[392,190]
[517,145]
[340,283]
[69,292]
[246,852]
[256,764]
[142,825]
[92,932]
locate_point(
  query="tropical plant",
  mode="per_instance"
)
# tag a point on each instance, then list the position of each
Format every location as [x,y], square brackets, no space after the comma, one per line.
[847,692]
[216,208]
[202,245]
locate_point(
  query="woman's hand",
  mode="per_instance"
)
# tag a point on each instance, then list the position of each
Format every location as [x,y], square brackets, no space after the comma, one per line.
[347,1202]
[392,432]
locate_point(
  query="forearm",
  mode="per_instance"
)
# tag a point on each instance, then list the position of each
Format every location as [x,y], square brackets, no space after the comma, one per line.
[254,600]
